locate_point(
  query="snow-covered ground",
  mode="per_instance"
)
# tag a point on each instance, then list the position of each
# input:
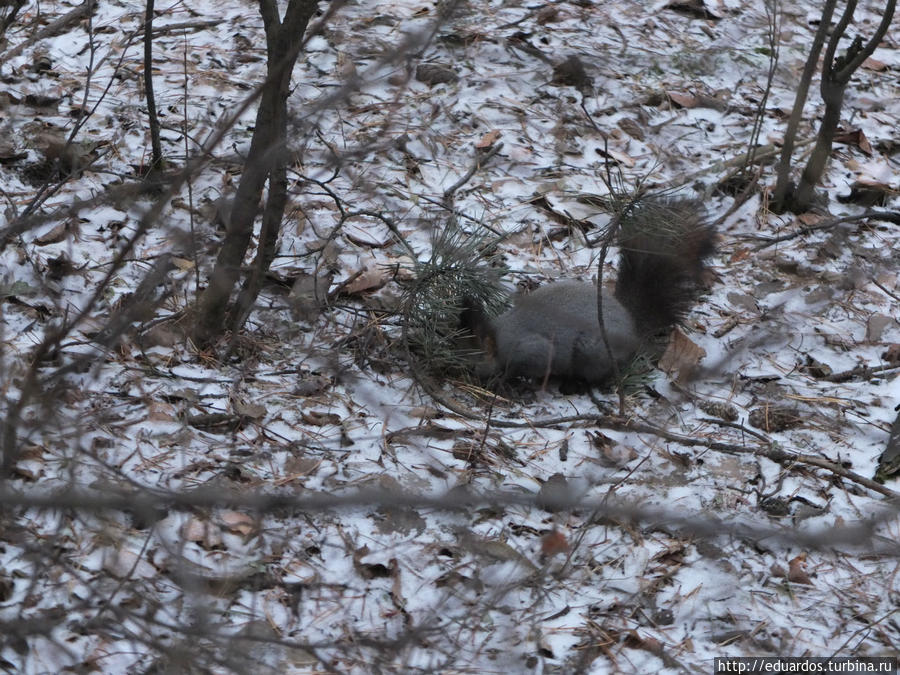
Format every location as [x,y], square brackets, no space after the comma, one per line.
[673,548]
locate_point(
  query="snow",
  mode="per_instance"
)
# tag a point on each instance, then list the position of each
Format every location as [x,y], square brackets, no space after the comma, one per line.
[421,575]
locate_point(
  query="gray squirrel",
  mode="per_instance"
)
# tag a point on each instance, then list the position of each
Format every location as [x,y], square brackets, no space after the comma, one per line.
[554,331]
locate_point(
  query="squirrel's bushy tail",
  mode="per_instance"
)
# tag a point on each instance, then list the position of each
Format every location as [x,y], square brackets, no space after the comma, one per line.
[663,243]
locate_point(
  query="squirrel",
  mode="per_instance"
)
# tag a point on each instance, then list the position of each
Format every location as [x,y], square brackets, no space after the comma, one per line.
[554,331]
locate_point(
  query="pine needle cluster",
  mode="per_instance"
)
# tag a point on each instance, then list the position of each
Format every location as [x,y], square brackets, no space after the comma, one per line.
[463,268]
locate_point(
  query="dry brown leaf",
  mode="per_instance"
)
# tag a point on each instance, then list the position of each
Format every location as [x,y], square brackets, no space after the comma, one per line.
[892,353]
[488,139]
[854,137]
[683,100]
[301,466]
[547,14]
[54,235]
[30,470]
[371,278]
[632,127]
[612,454]
[367,234]
[425,412]
[681,356]
[237,522]
[797,570]
[254,411]
[874,64]
[201,532]
[554,542]
[121,564]
[320,419]
[740,254]
[622,158]
[159,411]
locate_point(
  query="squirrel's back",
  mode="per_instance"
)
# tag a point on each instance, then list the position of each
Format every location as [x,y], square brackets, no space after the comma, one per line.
[555,331]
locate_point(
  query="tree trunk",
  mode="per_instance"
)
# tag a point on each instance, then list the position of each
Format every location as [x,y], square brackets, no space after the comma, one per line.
[836,73]
[152,118]
[783,186]
[266,160]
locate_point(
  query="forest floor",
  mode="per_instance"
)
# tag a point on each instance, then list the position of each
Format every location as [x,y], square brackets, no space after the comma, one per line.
[294,500]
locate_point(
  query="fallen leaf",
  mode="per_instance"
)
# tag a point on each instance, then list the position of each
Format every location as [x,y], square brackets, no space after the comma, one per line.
[320,419]
[122,564]
[854,137]
[488,139]
[201,532]
[547,14]
[612,454]
[809,218]
[797,570]
[53,236]
[425,412]
[682,100]
[681,356]
[371,278]
[874,64]
[739,254]
[632,127]
[254,411]
[238,523]
[892,353]
[622,158]
[368,235]
[554,542]
[161,412]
